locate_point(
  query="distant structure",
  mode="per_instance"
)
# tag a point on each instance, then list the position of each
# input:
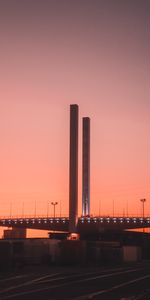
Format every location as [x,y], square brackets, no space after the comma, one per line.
[73,169]
[15,233]
[86,167]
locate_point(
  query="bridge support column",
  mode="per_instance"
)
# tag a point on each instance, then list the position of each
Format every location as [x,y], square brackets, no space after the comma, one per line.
[73,168]
[86,167]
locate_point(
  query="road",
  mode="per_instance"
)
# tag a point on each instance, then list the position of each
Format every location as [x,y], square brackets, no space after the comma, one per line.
[53,283]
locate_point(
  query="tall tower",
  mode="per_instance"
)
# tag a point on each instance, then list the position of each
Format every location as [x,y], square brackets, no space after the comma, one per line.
[86,167]
[73,168]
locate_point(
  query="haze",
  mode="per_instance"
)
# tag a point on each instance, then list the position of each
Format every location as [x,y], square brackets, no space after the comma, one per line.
[55,53]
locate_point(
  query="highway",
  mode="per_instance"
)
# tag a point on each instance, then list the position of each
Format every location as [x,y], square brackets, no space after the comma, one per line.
[78,283]
[93,224]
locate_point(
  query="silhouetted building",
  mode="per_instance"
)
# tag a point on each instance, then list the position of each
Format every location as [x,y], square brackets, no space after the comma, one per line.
[15,233]
[73,168]
[86,167]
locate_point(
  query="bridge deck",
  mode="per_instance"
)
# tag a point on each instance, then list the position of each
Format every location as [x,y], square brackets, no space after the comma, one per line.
[84,223]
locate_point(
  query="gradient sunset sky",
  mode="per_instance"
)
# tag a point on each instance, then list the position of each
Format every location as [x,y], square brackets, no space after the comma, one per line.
[53,53]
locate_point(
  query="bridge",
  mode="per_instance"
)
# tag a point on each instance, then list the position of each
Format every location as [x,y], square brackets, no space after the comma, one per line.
[84,224]
[73,223]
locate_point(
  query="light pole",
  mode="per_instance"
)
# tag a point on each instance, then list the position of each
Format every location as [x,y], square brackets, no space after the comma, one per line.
[60,208]
[47,209]
[113,208]
[23,209]
[143,202]
[10,210]
[127,207]
[54,204]
[35,209]
[99,208]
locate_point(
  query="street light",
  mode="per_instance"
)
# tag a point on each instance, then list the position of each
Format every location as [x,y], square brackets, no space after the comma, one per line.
[10,210]
[23,209]
[143,202]
[54,204]
[35,209]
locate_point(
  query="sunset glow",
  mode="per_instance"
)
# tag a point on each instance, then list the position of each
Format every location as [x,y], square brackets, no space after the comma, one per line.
[62,52]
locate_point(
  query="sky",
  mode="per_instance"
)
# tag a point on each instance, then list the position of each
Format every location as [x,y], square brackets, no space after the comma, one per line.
[54,53]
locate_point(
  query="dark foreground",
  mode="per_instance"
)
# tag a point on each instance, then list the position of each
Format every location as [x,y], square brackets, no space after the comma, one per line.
[52,283]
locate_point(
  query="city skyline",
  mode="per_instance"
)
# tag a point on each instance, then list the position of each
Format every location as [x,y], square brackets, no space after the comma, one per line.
[95,54]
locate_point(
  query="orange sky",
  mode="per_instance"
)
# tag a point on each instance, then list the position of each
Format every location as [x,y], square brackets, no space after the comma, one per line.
[95,54]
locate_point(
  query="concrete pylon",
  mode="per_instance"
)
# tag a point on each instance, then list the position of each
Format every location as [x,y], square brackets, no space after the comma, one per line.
[86,166]
[73,169]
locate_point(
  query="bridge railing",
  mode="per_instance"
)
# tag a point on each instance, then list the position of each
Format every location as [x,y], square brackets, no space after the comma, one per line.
[38,216]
